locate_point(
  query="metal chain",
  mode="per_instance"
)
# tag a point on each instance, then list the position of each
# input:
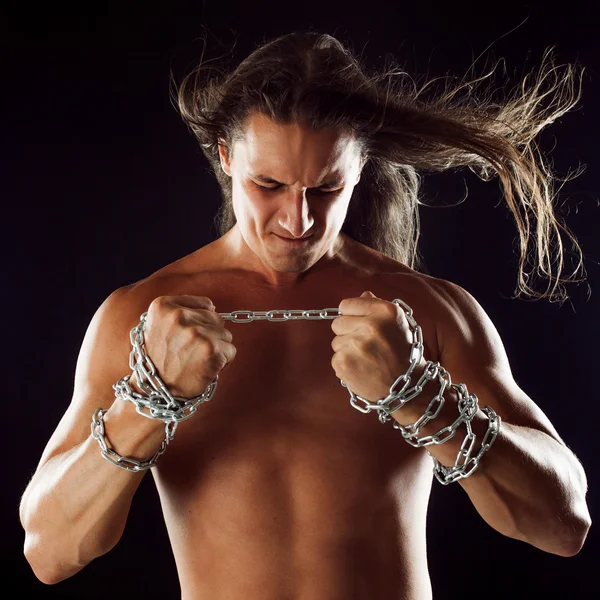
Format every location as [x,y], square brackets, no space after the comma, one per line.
[130,464]
[158,403]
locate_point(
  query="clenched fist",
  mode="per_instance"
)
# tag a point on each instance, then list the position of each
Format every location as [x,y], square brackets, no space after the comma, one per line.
[188,343]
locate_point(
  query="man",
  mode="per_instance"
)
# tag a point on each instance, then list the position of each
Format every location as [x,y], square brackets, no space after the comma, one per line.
[277,487]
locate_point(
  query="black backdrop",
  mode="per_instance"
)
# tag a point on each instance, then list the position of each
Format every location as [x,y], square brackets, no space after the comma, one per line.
[102,185]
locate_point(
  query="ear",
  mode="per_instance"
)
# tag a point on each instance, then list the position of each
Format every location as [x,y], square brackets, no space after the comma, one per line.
[223,156]
[363,160]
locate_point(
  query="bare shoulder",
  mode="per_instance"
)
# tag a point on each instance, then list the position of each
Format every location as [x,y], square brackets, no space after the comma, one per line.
[171,279]
[420,288]
[447,303]
[465,326]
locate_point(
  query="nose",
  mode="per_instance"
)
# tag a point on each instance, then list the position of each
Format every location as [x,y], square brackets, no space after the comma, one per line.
[296,225]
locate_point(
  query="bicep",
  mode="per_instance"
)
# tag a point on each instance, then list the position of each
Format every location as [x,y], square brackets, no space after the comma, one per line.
[473,353]
[103,359]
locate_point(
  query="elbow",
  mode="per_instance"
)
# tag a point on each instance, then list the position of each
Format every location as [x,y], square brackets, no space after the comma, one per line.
[579,527]
[560,537]
[54,557]
[578,538]
[44,564]
[46,576]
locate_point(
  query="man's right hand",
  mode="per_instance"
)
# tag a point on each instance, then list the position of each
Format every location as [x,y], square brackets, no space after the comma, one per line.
[188,343]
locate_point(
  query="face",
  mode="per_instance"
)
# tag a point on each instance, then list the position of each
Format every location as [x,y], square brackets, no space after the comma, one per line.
[289,182]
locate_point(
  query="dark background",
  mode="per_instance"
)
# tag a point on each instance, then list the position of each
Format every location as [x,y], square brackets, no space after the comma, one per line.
[102,184]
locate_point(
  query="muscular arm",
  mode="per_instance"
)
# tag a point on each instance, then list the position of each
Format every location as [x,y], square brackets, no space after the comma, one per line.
[75,507]
[529,486]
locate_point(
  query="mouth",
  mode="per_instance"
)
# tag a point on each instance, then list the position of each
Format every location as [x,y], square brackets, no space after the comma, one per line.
[292,241]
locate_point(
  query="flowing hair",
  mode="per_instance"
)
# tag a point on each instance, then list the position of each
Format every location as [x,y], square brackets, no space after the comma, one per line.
[403,131]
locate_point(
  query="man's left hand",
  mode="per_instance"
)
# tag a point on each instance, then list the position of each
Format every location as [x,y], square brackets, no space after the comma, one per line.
[371,346]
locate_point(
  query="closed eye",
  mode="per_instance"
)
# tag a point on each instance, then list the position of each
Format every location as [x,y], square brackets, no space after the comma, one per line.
[275,188]
[268,189]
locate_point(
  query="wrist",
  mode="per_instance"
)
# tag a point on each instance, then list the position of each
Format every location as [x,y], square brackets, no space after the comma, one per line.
[131,434]
[415,408]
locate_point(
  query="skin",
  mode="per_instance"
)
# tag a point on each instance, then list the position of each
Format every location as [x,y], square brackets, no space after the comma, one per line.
[300,160]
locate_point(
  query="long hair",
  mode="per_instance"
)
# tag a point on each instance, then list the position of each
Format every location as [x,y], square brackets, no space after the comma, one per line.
[403,131]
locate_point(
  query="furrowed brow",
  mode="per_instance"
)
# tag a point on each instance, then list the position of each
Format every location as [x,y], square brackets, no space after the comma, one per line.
[331,182]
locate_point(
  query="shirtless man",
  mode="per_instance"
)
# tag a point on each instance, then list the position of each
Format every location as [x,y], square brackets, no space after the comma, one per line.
[277,488]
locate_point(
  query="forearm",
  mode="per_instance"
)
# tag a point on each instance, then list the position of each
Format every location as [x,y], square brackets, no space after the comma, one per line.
[76,505]
[528,486]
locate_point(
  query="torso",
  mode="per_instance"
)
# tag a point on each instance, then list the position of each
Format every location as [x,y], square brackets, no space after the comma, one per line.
[278,488]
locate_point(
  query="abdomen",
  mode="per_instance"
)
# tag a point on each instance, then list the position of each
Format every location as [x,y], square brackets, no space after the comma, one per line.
[302,516]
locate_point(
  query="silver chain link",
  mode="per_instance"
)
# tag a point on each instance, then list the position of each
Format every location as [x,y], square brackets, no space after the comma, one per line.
[158,403]
[131,464]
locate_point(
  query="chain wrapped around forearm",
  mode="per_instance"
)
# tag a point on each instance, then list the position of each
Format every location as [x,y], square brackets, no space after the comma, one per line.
[127,463]
[467,406]
[158,403]
[155,403]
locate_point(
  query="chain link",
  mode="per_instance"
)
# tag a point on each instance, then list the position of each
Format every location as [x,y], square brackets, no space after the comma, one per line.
[158,403]
[130,464]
